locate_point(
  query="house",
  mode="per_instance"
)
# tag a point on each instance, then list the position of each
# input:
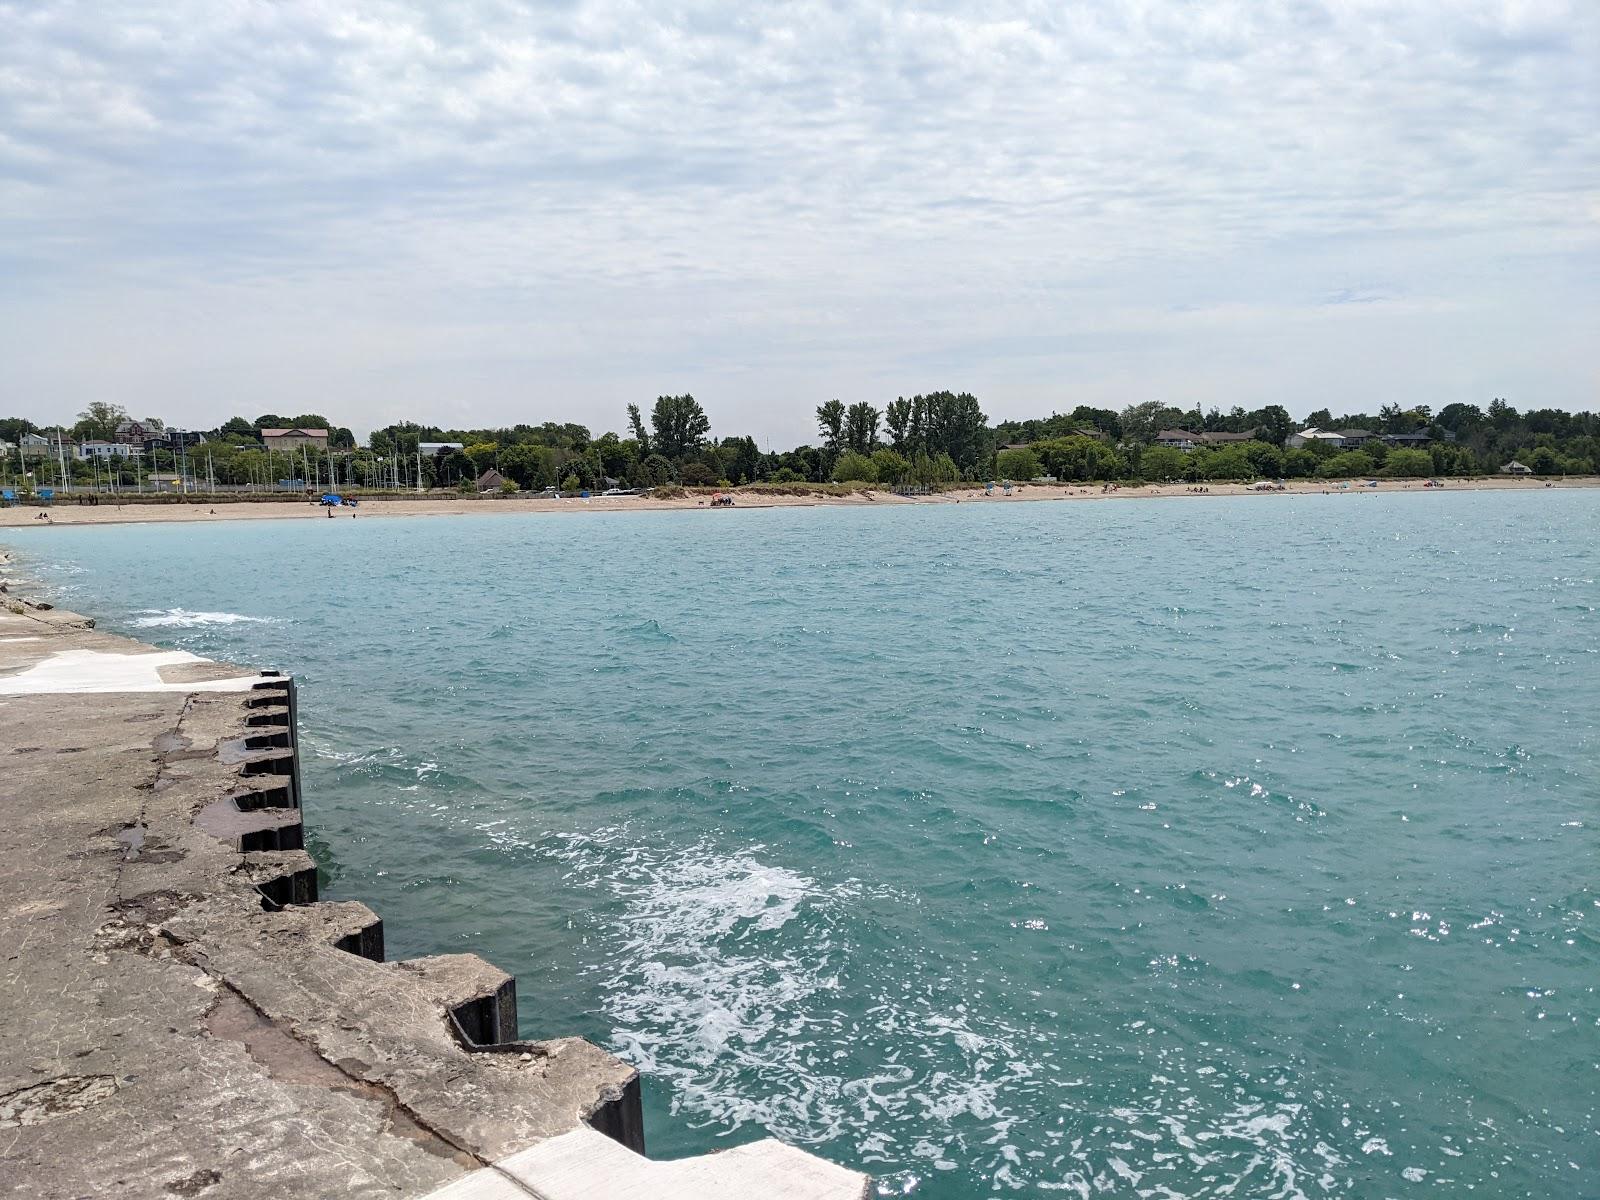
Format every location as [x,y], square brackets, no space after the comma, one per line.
[136,433]
[294,439]
[1412,441]
[490,481]
[1339,439]
[100,450]
[1182,439]
[1179,439]
[173,439]
[1515,468]
[35,445]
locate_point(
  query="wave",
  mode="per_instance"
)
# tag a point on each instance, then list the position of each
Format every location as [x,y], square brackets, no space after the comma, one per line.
[183,618]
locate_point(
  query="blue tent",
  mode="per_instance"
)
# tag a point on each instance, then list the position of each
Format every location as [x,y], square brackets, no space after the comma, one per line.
[331,500]
[8,496]
[46,495]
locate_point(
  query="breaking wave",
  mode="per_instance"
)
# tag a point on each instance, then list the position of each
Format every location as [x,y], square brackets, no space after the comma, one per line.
[182,618]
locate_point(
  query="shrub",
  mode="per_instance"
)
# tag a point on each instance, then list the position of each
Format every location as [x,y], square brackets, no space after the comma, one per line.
[855,468]
[1346,465]
[1408,464]
[892,466]
[1016,464]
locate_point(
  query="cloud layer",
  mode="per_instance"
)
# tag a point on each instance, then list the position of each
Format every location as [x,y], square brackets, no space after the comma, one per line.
[496,211]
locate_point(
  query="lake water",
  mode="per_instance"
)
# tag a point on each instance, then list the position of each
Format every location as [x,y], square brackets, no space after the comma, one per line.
[1228,847]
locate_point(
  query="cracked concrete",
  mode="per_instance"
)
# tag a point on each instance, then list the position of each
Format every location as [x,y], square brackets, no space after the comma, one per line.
[185,1018]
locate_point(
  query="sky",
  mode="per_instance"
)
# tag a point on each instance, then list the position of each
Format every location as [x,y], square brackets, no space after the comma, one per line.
[488,211]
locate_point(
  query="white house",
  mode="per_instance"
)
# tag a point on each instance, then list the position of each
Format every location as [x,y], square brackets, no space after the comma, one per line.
[94,448]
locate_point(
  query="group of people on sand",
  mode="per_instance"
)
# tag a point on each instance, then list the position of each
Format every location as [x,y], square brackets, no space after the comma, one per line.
[1199,491]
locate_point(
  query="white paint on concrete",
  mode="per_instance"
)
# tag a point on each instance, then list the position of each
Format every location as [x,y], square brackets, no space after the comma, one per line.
[585,1165]
[487,1184]
[104,671]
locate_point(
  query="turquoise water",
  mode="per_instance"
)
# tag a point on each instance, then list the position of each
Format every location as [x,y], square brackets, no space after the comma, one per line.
[1235,847]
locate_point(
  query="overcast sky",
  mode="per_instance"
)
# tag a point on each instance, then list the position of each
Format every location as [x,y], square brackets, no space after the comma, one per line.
[489,211]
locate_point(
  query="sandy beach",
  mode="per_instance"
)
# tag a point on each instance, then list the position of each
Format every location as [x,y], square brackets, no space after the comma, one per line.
[110,512]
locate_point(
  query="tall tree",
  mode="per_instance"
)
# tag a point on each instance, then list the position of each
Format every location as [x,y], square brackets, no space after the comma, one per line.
[680,425]
[830,421]
[636,423]
[954,425]
[861,428]
[897,417]
[100,420]
[1273,424]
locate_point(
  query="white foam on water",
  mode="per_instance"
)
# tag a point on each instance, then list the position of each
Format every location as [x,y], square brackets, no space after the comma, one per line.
[182,618]
[724,979]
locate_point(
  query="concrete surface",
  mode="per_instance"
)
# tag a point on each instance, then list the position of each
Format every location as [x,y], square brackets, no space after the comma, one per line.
[183,1018]
[583,1165]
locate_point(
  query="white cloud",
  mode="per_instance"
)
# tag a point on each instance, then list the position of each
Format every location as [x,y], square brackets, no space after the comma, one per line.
[513,210]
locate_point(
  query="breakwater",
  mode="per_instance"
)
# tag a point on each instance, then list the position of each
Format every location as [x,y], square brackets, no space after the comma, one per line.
[186,1017]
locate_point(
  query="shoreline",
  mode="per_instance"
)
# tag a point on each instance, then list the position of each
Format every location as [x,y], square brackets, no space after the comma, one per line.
[135,512]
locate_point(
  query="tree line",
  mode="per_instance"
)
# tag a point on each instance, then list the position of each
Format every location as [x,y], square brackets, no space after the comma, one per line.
[921,440]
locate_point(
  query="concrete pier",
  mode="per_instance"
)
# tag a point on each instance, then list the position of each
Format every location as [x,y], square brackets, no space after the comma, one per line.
[183,1017]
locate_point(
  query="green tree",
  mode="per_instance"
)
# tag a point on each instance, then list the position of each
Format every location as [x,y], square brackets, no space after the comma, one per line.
[891,465]
[897,419]
[1348,464]
[1408,464]
[861,428]
[855,468]
[1299,464]
[1141,422]
[830,423]
[1265,459]
[1162,464]
[655,470]
[100,421]
[741,459]
[680,425]
[1080,459]
[1273,424]
[1017,464]
[1227,463]
[1321,419]
[636,425]
[954,426]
